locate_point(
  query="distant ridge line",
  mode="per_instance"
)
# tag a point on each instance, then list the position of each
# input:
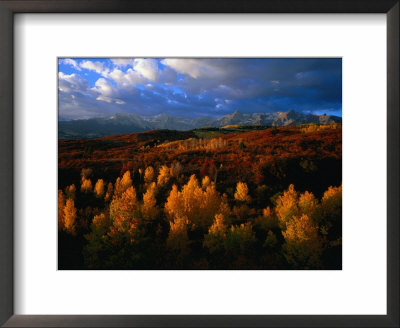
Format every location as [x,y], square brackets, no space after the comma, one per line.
[121,123]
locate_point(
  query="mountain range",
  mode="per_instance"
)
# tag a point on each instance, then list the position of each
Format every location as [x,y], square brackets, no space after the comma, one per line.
[122,123]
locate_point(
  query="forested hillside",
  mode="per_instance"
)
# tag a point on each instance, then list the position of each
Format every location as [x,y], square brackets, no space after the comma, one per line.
[235,197]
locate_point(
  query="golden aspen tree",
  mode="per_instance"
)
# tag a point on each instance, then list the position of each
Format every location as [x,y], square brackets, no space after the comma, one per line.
[242,192]
[109,193]
[210,205]
[193,203]
[174,204]
[86,185]
[149,174]
[205,182]
[267,212]
[241,195]
[149,208]
[70,217]
[70,191]
[122,184]
[124,207]
[215,239]
[268,220]
[163,176]
[307,204]
[126,180]
[286,206]
[99,188]
[329,214]
[178,240]
[303,247]
[61,205]
[118,190]
[100,223]
[332,200]
[192,196]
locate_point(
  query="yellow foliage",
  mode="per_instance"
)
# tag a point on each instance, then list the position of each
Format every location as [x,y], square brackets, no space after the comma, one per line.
[99,188]
[307,203]
[242,192]
[330,212]
[61,204]
[121,185]
[178,240]
[124,207]
[193,203]
[267,213]
[163,176]
[149,209]
[122,226]
[70,217]
[215,239]
[268,220]
[333,195]
[149,174]
[286,206]
[101,223]
[70,191]
[205,182]
[86,185]
[303,247]
[109,192]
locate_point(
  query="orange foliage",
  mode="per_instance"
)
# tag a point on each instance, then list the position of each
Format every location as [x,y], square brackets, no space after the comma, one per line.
[192,202]
[70,217]
[163,176]
[124,207]
[99,188]
[149,208]
[242,192]
[86,185]
[61,204]
[303,247]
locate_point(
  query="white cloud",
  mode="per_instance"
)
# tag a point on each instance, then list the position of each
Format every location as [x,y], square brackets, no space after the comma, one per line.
[195,68]
[147,68]
[126,79]
[104,98]
[73,82]
[103,87]
[107,92]
[71,62]
[122,62]
[98,67]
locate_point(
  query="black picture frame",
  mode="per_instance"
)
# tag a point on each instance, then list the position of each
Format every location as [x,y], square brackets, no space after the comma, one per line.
[7,10]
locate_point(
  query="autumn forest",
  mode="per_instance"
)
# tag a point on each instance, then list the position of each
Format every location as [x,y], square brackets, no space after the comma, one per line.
[232,197]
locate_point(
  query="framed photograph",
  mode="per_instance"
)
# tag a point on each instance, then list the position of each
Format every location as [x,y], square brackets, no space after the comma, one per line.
[214,164]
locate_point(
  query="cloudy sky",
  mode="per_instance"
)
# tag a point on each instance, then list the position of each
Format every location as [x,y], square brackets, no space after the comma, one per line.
[98,87]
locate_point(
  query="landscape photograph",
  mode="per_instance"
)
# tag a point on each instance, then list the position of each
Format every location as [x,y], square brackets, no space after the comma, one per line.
[199,163]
